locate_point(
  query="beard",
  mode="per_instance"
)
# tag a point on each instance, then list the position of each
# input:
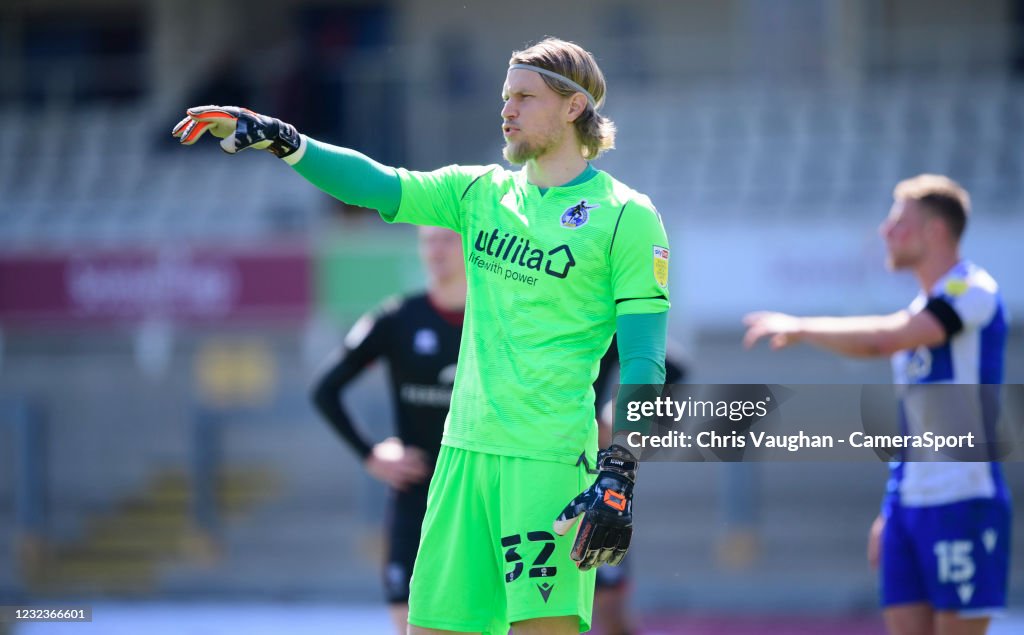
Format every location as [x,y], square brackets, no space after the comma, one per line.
[519,152]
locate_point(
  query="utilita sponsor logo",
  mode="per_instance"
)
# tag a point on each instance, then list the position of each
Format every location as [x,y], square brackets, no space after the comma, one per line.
[515,250]
[168,285]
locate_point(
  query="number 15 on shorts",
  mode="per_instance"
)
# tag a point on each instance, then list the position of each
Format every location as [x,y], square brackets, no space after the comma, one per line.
[956,565]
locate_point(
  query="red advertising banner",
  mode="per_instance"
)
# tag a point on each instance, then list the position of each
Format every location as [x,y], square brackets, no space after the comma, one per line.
[174,283]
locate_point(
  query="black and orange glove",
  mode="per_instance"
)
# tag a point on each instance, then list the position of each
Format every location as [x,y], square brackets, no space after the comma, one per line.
[607,508]
[238,129]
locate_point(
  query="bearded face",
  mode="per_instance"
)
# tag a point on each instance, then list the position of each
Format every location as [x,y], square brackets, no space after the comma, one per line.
[533,118]
[521,150]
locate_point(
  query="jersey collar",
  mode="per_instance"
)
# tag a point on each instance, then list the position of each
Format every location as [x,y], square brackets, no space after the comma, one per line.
[588,173]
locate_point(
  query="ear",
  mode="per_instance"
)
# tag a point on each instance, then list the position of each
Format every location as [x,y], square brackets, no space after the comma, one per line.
[577,106]
[940,230]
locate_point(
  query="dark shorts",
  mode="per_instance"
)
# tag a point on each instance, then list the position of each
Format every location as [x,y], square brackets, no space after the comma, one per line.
[404,521]
[613,577]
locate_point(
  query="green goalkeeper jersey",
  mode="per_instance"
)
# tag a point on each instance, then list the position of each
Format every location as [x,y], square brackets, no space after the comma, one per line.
[548,272]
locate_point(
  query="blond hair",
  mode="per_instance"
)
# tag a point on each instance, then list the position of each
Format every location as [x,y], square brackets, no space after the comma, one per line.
[595,132]
[941,196]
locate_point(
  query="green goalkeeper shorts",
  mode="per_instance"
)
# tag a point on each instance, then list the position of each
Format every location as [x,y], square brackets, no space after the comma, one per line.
[488,556]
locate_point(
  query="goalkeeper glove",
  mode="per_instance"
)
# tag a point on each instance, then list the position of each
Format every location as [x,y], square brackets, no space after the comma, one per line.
[607,509]
[238,129]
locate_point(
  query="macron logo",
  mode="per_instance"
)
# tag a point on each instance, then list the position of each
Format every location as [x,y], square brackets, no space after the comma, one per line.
[545,591]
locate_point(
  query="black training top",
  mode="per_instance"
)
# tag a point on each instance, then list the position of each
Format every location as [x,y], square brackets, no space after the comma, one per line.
[420,343]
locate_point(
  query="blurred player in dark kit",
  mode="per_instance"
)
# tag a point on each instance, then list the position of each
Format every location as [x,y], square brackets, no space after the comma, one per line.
[418,336]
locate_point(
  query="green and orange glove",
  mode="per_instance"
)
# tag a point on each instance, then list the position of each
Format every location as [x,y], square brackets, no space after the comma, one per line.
[238,129]
[607,510]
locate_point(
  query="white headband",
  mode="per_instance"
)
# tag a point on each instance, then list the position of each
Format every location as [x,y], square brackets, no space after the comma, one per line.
[563,78]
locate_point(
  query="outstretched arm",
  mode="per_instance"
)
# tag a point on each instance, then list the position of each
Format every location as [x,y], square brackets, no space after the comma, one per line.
[348,175]
[404,196]
[863,336]
[345,174]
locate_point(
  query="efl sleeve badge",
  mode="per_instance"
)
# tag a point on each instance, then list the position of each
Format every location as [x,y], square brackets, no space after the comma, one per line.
[661,266]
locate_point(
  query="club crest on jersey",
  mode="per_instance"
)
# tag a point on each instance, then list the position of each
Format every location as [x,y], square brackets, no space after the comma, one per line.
[425,342]
[919,366]
[577,216]
[661,265]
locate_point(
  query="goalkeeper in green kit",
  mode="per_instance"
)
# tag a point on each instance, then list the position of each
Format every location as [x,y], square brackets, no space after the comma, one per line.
[559,256]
